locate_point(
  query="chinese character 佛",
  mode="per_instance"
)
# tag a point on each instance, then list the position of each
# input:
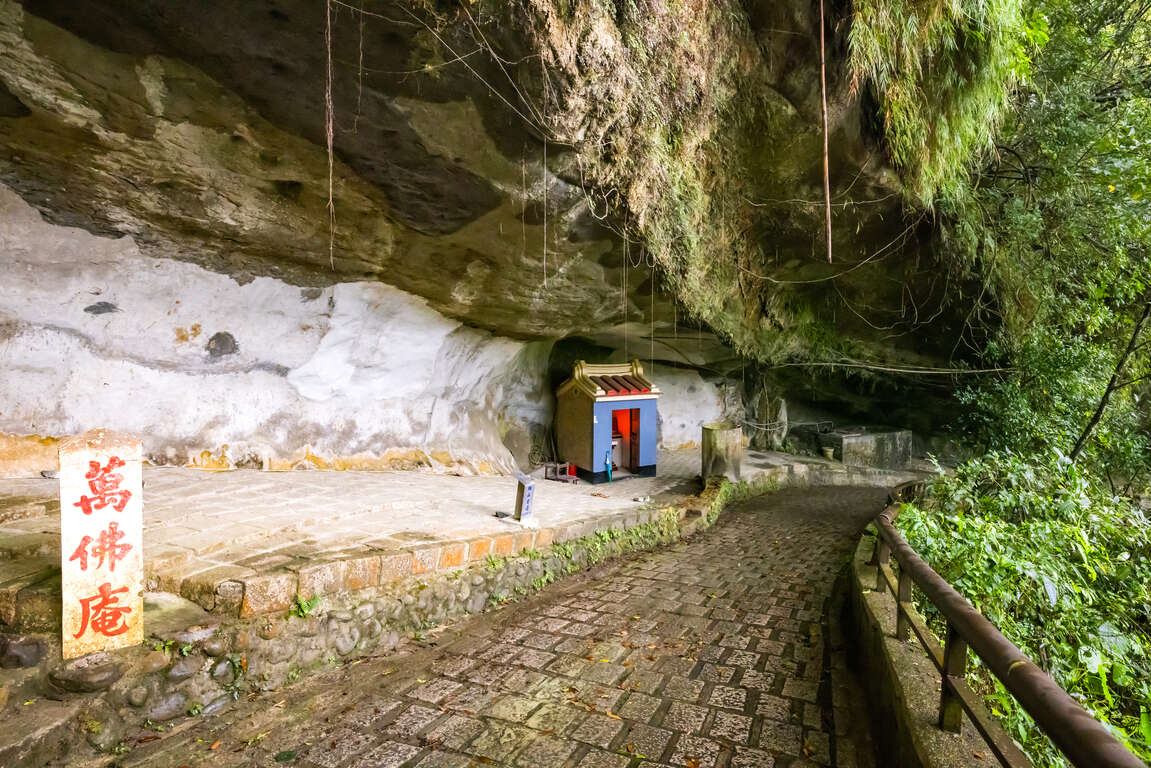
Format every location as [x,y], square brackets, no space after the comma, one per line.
[107,547]
[102,614]
[105,485]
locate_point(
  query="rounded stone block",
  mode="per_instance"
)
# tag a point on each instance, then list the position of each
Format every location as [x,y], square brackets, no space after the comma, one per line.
[87,674]
[185,667]
[18,652]
[138,696]
[168,707]
[224,672]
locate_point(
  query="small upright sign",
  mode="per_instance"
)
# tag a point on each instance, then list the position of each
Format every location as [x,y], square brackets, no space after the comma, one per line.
[524,490]
[101,540]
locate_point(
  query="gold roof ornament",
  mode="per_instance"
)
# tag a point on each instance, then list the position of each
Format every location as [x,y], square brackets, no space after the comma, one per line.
[610,380]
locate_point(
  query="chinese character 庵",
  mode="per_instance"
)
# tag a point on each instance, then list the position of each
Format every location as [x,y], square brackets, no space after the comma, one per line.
[102,613]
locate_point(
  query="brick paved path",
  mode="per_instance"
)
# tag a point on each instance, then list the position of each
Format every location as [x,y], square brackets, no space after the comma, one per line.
[714,653]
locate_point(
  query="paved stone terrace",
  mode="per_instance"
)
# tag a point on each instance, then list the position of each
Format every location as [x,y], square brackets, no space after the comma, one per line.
[714,653]
[248,541]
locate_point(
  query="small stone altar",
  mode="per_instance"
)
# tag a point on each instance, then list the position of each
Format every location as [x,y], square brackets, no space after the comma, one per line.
[858,445]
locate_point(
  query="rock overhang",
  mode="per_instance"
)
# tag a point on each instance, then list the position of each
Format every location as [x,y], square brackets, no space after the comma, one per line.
[200,134]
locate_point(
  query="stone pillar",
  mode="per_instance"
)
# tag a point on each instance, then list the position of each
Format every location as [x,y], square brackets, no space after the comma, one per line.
[525,490]
[101,542]
[722,450]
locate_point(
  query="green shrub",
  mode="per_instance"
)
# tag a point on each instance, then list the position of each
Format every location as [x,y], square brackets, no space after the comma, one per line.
[1063,567]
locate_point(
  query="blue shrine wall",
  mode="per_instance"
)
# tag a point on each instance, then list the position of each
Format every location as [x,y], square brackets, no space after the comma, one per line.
[648,426]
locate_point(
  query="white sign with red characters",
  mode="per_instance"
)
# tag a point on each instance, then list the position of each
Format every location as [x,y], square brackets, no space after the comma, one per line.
[101,538]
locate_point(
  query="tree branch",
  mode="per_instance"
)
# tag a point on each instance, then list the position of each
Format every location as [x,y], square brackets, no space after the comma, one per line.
[1112,385]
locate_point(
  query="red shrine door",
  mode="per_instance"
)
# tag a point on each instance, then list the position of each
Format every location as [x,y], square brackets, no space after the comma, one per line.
[625,428]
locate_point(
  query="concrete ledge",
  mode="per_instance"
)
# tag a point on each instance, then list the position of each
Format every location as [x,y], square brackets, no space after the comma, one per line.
[901,682]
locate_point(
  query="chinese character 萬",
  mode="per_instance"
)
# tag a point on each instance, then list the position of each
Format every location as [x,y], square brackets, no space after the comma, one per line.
[105,486]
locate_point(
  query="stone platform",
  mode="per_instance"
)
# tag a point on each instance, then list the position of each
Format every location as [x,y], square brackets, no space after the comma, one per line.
[248,542]
[207,535]
[231,556]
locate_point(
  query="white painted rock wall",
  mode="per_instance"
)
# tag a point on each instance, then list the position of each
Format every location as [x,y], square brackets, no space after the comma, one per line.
[357,375]
[688,402]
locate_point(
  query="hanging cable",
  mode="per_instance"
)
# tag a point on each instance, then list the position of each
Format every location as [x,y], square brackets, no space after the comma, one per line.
[329,130]
[826,155]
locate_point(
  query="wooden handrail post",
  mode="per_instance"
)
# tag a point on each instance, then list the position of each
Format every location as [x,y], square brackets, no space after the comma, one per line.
[882,556]
[903,605]
[954,667]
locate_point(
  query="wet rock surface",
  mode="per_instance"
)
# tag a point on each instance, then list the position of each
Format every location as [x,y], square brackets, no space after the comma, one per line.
[88,674]
[20,652]
[714,652]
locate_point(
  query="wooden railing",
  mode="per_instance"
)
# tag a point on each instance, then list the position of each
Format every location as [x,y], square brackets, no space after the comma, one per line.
[1084,741]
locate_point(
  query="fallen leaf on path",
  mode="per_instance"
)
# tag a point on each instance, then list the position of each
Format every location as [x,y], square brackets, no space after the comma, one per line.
[215,745]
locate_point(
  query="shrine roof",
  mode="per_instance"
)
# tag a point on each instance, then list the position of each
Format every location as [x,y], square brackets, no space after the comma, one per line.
[610,380]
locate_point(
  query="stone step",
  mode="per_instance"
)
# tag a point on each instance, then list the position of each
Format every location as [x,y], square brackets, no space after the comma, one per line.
[13,508]
[38,733]
[37,605]
[18,545]
[18,578]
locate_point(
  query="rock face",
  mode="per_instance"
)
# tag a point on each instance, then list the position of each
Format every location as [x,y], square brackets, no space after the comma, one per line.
[211,372]
[504,175]
[360,371]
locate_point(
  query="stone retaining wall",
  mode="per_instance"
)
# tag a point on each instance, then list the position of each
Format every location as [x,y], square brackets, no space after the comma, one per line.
[901,682]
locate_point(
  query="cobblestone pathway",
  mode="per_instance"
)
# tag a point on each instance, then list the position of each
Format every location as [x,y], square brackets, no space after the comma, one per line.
[714,653]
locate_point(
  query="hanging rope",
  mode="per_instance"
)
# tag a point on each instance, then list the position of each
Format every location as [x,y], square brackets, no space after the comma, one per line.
[359,77]
[329,129]
[652,311]
[826,157]
[523,209]
[626,263]
[921,371]
[545,178]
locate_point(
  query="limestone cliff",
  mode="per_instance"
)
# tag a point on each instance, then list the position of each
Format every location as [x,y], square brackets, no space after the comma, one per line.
[637,178]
